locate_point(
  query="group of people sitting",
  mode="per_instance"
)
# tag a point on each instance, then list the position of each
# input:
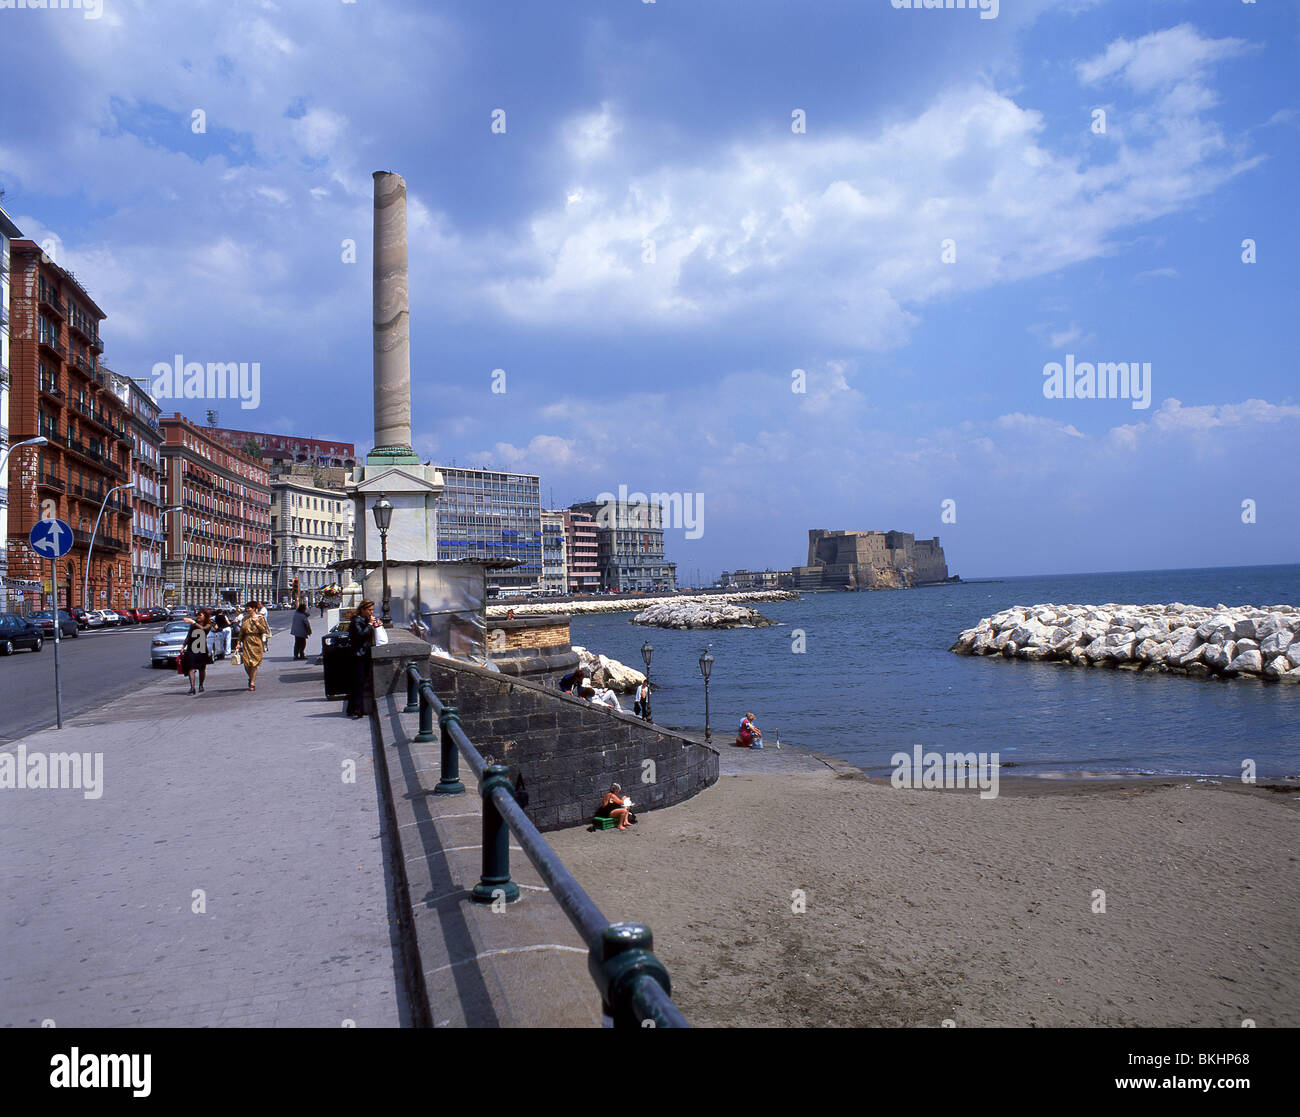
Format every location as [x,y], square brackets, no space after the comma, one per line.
[578,685]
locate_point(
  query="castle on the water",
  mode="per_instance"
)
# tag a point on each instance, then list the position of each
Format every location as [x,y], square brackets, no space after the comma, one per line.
[869,560]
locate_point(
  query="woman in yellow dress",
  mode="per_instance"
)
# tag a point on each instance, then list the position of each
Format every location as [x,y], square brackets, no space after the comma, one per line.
[253,632]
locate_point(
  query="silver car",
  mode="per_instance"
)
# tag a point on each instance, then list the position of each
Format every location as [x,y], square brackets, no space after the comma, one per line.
[167,645]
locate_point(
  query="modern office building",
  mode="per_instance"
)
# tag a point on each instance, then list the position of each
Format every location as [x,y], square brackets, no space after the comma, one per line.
[220,544]
[59,391]
[8,232]
[555,576]
[486,513]
[142,413]
[582,550]
[311,527]
[630,546]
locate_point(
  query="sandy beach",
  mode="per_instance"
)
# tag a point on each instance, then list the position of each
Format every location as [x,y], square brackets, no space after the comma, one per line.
[931,906]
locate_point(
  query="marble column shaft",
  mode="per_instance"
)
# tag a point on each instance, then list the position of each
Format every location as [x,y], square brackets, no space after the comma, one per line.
[392,369]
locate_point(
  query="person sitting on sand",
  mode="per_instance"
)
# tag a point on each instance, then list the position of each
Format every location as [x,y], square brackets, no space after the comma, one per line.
[749,735]
[614,805]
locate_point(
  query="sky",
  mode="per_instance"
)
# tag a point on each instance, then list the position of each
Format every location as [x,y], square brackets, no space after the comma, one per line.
[802,264]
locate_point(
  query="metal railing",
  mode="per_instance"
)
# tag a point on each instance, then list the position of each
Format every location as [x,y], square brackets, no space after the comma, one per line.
[634,987]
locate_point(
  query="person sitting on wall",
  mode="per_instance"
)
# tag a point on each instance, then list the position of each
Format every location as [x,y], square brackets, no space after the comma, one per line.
[606,697]
[573,682]
[616,806]
[749,735]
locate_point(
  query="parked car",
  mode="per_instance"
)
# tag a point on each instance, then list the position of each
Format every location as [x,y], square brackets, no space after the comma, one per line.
[166,646]
[94,618]
[126,616]
[158,613]
[80,615]
[17,632]
[111,617]
[67,624]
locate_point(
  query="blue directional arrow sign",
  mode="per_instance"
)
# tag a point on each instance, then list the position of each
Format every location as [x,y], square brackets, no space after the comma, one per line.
[51,539]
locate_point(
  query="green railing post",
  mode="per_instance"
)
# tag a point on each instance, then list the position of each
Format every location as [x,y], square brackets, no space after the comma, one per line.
[450,783]
[412,691]
[426,733]
[495,883]
[627,953]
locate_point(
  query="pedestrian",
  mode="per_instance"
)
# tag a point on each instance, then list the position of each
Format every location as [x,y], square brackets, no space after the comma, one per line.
[300,629]
[253,634]
[361,638]
[221,634]
[642,703]
[195,657]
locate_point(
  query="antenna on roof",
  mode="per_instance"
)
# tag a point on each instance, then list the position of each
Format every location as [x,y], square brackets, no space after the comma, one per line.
[213,418]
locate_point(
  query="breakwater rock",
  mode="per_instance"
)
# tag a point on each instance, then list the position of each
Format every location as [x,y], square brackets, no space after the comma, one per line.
[625,603]
[1228,641]
[609,672]
[700,613]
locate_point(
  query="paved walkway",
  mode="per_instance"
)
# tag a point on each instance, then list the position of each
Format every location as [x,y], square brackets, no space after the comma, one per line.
[242,796]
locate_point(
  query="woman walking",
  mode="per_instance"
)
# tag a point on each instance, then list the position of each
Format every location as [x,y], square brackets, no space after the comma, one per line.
[253,634]
[195,657]
[300,629]
[361,636]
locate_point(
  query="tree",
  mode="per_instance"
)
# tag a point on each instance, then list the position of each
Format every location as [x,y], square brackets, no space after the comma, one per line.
[252,449]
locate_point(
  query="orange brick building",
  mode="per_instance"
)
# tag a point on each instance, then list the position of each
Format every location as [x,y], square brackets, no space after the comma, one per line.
[58,390]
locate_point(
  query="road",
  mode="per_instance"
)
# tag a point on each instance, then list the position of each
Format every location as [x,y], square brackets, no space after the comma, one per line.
[101,664]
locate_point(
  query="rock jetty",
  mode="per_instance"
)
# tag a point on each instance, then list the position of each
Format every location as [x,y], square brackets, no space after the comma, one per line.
[696,612]
[609,672]
[626,603]
[1228,641]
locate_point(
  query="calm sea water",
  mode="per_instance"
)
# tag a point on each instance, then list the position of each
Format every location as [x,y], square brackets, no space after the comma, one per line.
[877,678]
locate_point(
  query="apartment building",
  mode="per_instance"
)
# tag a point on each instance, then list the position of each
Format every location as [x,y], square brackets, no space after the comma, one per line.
[485,513]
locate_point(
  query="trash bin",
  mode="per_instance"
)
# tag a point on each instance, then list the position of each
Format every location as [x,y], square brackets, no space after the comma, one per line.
[336,655]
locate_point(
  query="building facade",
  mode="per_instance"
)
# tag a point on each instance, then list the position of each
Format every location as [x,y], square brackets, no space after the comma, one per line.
[219,544]
[555,574]
[757,579]
[290,449]
[59,391]
[8,232]
[142,422]
[582,551]
[630,546]
[311,527]
[485,513]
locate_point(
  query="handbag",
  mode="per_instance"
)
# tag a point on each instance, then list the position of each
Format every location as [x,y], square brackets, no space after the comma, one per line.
[381,636]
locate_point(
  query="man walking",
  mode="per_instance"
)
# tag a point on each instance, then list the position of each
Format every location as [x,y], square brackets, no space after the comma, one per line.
[300,629]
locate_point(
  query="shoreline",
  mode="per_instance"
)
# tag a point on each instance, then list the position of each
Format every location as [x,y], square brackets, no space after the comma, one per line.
[820,899]
[619,604]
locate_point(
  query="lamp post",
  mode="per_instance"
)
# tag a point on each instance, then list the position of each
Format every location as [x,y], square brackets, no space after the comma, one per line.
[185,557]
[646,652]
[39,440]
[157,534]
[90,550]
[706,669]
[383,513]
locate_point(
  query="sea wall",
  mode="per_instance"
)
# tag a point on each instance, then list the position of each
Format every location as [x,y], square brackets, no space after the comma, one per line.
[620,603]
[1227,641]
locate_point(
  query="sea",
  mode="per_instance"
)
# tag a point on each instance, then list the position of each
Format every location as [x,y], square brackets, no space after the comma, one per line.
[865,675]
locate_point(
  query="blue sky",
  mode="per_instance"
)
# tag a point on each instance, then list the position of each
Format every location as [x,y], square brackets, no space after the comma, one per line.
[821,251]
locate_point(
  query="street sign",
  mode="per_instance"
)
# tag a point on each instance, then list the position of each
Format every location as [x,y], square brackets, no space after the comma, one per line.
[169,585]
[50,539]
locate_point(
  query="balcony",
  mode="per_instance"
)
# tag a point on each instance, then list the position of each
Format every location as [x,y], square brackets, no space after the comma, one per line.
[50,299]
[53,346]
[96,344]
[83,325]
[47,386]
[51,482]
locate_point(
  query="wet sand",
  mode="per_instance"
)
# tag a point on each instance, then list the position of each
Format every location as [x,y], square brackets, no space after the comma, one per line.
[931,906]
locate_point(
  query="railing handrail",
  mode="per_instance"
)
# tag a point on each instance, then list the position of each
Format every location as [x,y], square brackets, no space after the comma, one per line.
[647,999]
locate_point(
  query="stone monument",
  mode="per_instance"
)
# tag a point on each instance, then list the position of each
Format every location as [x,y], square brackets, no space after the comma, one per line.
[392,468]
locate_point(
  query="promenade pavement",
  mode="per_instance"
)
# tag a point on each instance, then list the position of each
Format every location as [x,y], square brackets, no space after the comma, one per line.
[231,872]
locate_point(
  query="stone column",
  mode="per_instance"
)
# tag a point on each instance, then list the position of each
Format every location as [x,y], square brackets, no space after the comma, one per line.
[392,342]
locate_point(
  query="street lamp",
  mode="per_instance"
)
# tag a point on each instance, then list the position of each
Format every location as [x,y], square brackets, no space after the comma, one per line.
[383,513]
[248,569]
[185,557]
[157,535]
[706,669]
[90,550]
[646,652]
[39,440]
